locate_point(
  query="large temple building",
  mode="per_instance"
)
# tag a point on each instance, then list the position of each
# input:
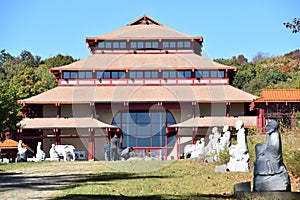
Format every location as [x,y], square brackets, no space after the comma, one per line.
[145,82]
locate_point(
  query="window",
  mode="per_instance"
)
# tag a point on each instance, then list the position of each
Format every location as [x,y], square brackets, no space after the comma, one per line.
[165,74]
[154,45]
[85,74]
[139,74]
[210,74]
[169,74]
[173,45]
[165,45]
[179,44]
[198,74]
[205,74]
[66,75]
[150,74]
[133,45]
[106,74]
[132,74]
[172,74]
[221,74]
[140,45]
[108,45]
[74,75]
[115,45]
[184,74]
[122,45]
[144,129]
[187,44]
[114,74]
[81,74]
[99,74]
[101,45]
[148,45]
[214,74]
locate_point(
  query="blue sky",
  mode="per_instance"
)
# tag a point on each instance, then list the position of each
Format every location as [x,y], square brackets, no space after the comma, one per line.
[50,27]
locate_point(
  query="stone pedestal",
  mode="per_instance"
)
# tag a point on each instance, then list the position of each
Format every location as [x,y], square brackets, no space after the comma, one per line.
[243,191]
[277,182]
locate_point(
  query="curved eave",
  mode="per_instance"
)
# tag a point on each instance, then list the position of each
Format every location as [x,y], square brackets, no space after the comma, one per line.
[144,61]
[140,94]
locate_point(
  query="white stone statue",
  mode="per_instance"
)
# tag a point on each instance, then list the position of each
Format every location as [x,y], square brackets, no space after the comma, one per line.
[66,151]
[216,138]
[239,156]
[200,152]
[270,173]
[210,145]
[21,155]
[53,153]
[195,151]
[21,150]
[40,154]
[224,141]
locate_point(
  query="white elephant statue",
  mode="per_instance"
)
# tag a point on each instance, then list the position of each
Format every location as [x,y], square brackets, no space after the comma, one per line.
[64,151]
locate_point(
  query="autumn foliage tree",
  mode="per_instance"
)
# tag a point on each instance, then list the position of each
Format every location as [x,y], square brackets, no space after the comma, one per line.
[21,77]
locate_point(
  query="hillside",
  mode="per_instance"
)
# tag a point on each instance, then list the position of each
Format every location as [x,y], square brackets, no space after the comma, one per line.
[280,72]
[289,63]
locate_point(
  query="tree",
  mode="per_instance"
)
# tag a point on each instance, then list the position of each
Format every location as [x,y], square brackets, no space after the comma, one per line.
[27,83]
[43,71]
[294,25]
[259,56]
[10,114]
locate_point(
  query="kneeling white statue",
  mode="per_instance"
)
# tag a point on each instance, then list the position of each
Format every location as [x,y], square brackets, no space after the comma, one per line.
[239,156]
[40,154]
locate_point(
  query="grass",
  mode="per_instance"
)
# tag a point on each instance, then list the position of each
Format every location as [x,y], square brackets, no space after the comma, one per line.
[181,179]
[138,179]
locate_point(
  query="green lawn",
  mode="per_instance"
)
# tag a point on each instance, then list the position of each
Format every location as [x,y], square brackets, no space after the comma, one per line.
[138,179]
[171,180]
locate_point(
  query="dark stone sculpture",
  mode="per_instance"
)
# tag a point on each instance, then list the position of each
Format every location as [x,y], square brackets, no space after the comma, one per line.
[270,173]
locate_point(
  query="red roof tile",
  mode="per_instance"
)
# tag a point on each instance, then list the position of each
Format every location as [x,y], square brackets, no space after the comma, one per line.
[10,144]
[279,95]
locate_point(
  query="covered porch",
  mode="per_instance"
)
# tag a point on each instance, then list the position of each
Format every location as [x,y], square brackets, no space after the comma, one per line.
[82,132]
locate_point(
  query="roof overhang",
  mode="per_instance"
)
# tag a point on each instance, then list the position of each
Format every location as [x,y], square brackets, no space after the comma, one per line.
[198,122]
[63,123]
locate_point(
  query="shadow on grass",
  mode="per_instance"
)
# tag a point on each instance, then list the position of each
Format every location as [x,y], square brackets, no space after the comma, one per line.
[107,177]
[14,181]
[158,196]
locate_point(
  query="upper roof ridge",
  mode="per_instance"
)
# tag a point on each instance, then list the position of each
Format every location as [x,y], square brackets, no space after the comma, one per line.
[144,20]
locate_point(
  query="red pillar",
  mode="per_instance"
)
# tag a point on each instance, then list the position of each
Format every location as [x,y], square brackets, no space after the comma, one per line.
[91,146]
[260,123]
[57,136]
[227,109]
[58,111]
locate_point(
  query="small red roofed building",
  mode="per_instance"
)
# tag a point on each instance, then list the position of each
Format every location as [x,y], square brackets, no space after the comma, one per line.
[282,105]
[145,82]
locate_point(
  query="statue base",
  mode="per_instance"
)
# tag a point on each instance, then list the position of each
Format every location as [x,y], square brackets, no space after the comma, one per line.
[243,191]
[276,182]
